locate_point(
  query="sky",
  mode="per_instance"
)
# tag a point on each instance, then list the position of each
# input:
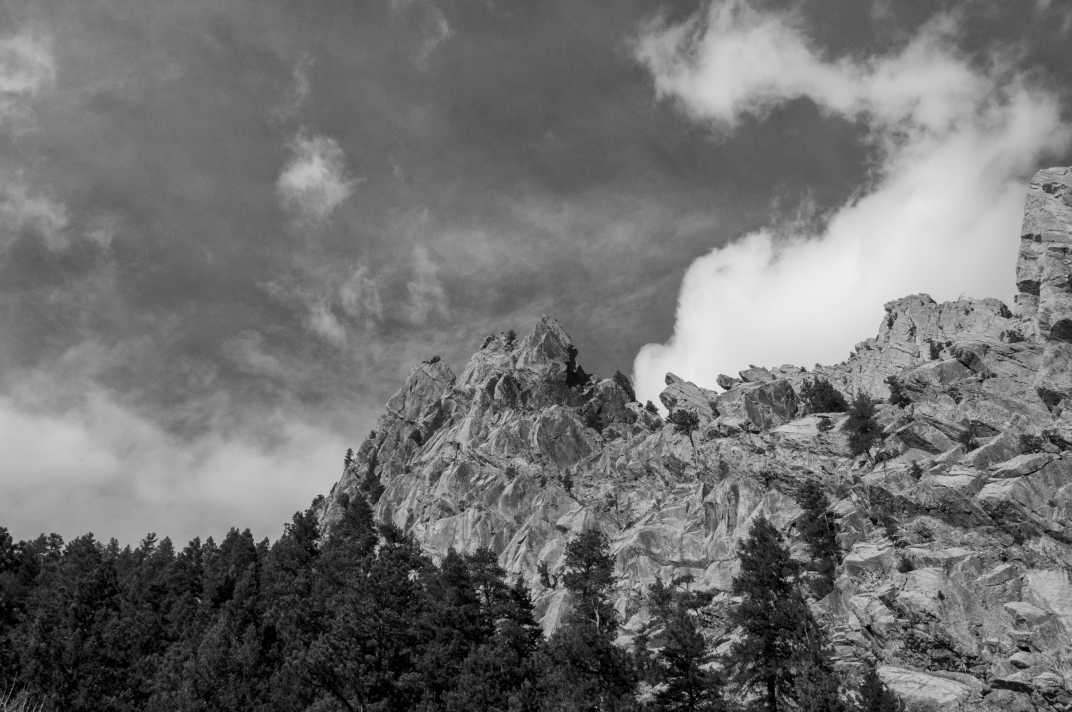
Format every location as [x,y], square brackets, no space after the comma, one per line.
[230,228]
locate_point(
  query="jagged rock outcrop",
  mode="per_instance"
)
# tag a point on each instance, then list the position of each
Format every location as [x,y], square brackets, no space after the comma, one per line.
[1044,279]
[956,528]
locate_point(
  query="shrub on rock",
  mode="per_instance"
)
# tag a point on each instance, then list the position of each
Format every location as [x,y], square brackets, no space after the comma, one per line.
[821,397]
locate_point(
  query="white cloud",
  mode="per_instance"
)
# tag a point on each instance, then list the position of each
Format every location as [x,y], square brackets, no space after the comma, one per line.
[71,471]
[323,322]
[954,142]
[315,181]
[24,209]
[427,297]
[26,68]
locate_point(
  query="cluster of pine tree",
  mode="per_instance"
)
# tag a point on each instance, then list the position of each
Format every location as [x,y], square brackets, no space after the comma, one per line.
[361,620]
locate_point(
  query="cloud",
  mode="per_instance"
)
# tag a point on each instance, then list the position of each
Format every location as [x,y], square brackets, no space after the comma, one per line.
[71,471]
[431,23]
[248,352]
[315,182]
[324,323]
[301,88]
[435,31]
[23,209]
[27,67]
[102,229]
[427,296]
[360,297]
[953,144]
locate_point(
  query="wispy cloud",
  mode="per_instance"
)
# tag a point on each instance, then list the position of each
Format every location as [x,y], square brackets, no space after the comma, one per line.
[432,25]
[953,143]
[323,322]
[427,296]
[23,209]
[360,296]
[250,354]
[316,180]
[301,88]
[27,67]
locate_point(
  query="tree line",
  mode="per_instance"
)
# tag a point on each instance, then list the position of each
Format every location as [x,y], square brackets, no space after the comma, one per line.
[362,620]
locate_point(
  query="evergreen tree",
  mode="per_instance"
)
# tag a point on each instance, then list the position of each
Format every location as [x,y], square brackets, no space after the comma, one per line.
[583,668]
[781,654]
[862,427]
[681,666]
[455,624]
[819,528]
[66,645]
[19,569]
[875,696]
[502,673]
[819,396]
[685,421]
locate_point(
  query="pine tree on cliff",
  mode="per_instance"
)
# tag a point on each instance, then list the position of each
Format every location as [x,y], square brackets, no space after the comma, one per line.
[821,397]
[583,668]
[862,427]
[819,528]
[685,682]
[781,655]
[876,697]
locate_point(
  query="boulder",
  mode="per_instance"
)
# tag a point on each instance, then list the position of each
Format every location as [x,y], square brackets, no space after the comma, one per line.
[925,691]
[727,382]
[680,394]
[756,374]
[762,405]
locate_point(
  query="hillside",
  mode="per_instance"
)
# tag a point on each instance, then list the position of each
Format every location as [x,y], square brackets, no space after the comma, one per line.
[955,528]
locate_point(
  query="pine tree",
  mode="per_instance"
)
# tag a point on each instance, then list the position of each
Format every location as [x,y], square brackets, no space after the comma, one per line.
[502,673]
[862,427]
[819,528]
[583,668]
[685,421]
[821,397]
[65,644]
[456,625]
[781,653]
[876,697]
[681,665]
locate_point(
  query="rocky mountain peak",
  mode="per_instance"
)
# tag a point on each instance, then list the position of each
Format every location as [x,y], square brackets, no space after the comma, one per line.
[546,356]
[955,527]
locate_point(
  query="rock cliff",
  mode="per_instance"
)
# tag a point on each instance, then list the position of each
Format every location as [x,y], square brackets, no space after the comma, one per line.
[956,529]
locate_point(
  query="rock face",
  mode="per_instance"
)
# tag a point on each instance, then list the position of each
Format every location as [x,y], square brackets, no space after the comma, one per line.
[956,529]
[1044,278]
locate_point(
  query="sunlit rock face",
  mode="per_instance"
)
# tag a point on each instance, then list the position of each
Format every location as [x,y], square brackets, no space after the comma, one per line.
[956,529]
[1044,278]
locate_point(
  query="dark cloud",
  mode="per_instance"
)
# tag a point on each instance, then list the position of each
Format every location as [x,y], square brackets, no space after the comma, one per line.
[230,228]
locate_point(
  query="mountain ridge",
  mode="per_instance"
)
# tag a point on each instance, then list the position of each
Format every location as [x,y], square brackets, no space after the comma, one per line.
[956,529]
